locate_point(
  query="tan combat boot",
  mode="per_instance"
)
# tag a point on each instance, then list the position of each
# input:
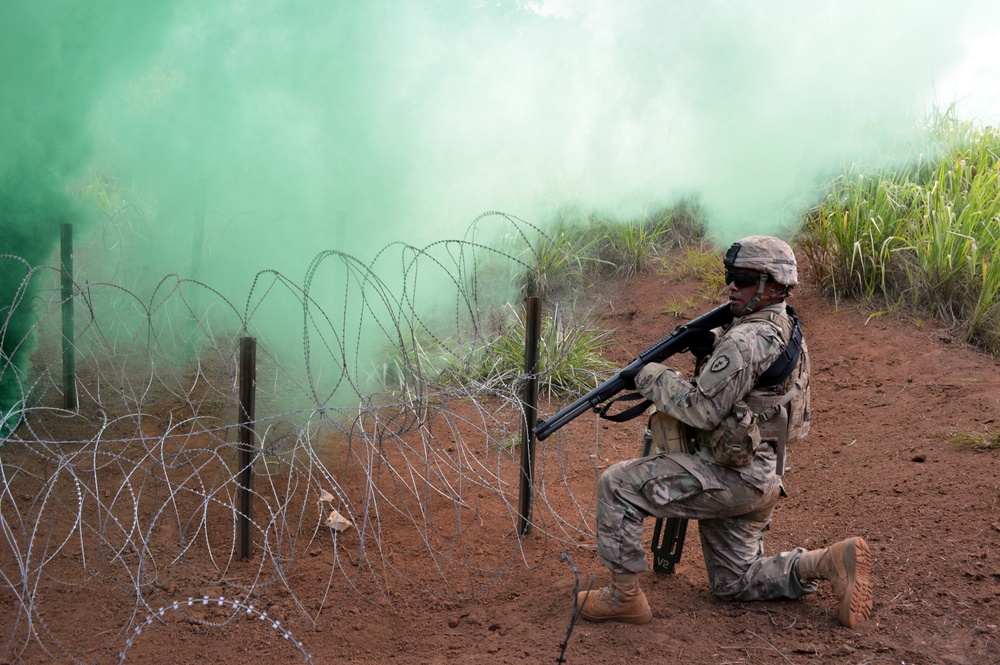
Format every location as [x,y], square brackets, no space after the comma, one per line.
[622,601]
[848,566]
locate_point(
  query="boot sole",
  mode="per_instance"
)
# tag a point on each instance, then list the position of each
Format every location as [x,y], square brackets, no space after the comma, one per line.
[638,619]
[857,605]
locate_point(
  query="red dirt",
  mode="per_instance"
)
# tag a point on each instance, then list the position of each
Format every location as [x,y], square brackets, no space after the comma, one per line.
[887,396]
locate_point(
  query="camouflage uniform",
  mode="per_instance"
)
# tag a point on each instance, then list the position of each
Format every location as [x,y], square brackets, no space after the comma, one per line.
[732,505]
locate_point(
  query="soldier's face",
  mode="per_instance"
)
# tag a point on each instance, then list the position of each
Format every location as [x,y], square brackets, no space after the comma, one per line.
[740,296]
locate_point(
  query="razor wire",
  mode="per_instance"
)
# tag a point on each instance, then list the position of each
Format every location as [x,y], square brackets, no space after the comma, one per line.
[378,450]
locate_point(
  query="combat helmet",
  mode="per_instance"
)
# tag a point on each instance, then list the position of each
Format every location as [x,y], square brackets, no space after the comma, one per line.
[765,254]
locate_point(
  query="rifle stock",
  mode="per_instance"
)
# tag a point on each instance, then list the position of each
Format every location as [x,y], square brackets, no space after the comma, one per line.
[678,341]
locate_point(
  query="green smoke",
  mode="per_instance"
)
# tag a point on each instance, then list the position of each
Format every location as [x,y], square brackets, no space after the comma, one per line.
[56,59]
[245,135]
[334,125]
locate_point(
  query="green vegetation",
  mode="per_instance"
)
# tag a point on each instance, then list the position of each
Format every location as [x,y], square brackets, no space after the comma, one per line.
[580,247]
[700,262]
[560,260]
[421,357]
[924,238]
[629,249]
[570,359]
[569,356]
[679,308]
[980,442]
[575,250]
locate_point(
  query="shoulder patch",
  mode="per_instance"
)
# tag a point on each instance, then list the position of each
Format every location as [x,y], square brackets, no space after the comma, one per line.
[723,367]
[719,364]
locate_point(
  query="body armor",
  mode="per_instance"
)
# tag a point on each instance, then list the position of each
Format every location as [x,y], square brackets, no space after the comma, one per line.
[782,410]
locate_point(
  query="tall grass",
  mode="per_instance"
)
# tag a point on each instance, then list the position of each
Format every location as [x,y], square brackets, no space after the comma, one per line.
[630,248]
[579,247]
[562,258]
[570,358]
[702,263]
[924,237]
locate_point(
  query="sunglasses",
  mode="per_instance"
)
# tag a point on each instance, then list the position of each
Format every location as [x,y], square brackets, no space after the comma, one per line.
[742,278]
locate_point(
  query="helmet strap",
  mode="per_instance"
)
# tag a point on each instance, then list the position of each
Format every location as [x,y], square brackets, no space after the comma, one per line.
[752,305]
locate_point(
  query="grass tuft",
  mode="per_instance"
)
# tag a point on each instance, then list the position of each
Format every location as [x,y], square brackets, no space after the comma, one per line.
[979,442]
[570,359]
[580,247]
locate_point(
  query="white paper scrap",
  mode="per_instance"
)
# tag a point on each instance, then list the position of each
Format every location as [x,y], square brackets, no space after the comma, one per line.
[337,522]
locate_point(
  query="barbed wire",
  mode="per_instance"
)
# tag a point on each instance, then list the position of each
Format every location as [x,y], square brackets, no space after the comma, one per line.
[133,495]
[240,609]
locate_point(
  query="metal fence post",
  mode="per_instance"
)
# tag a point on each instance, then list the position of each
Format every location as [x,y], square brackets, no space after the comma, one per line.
[529,406]
[247,415]
[68,328]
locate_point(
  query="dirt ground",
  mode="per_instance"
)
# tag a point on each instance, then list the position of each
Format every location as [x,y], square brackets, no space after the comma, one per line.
[887,395]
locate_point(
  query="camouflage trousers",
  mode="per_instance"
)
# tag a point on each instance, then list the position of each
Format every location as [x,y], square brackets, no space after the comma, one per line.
[732,516]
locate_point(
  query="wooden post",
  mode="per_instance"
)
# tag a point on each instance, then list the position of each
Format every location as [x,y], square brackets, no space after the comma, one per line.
[529,405]
[247,415]
[68,329]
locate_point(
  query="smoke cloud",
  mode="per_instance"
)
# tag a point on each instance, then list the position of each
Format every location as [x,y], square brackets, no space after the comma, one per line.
[349,125]
[242,135]
[56,58]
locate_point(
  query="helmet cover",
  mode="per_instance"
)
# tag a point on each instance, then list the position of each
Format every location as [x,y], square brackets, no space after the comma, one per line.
[765,254]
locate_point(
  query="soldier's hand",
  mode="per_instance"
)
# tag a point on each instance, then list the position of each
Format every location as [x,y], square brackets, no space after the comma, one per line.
[628,375]
[703,344]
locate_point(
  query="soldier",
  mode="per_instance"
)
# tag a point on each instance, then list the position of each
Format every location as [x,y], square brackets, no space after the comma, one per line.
[750,398]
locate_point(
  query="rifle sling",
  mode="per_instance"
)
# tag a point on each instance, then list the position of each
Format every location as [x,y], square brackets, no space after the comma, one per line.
[627,414]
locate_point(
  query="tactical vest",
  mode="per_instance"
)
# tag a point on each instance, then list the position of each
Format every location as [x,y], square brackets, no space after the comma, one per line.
[782,409]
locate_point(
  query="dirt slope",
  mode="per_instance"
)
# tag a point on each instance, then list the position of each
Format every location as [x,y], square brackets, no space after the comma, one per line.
[887,395]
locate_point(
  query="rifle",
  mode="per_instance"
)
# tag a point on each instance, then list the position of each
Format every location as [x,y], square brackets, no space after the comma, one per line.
[668,535]
[678,341]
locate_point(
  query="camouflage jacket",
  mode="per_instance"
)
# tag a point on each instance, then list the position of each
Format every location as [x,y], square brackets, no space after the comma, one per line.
[741,355]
